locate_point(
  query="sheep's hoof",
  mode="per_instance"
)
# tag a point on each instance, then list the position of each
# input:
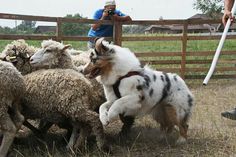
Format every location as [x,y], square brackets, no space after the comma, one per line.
[1,137]
[181,140]
[106,148]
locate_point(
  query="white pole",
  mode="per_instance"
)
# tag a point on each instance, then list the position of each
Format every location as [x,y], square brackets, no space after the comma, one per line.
[217,53]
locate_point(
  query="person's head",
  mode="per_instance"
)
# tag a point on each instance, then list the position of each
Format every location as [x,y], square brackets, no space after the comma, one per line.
[110,5]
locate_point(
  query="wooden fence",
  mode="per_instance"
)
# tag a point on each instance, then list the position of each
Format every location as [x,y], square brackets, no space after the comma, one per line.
[190,65]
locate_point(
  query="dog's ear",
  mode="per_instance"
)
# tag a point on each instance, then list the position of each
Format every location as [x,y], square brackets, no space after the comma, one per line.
[104,44]
[96,39]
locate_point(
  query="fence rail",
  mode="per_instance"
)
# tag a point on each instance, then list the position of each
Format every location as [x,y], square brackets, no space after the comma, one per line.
[189,64]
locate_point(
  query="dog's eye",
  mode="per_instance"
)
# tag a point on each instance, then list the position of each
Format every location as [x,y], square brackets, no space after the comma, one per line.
[93,60]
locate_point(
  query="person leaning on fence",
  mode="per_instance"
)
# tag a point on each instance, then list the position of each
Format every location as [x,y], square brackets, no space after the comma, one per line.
[109,12]
[228,14]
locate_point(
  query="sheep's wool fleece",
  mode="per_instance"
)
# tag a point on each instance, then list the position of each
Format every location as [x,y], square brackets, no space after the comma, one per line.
[12,85]
[57,92]
[21,47]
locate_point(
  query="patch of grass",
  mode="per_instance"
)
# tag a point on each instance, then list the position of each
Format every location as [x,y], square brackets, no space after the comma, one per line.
[209,134]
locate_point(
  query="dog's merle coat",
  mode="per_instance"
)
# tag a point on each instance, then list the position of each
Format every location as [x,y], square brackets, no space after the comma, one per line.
[164,95]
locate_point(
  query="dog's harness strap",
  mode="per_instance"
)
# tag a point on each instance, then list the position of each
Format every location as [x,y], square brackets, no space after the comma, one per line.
[117,84]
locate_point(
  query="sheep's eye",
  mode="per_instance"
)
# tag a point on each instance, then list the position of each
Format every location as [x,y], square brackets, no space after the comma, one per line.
[47,51]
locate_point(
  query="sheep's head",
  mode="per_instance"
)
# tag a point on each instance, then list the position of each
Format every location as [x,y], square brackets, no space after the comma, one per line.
[100,59]
[50,55]
[18,52]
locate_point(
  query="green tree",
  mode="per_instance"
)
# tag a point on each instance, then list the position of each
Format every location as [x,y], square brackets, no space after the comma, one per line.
[210,7]
[75,28]
[7,30]
[27,26]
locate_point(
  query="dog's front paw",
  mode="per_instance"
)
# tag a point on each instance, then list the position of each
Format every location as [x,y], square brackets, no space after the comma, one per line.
[104,119]
[112,115]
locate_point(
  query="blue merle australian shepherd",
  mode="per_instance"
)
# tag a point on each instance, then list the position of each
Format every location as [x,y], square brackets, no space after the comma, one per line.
[132,90]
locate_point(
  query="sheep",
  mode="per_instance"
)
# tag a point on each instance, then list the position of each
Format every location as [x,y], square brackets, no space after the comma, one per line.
[59,94]
[79,58]
[61,60]
[12,88]
[56,55]
[18,52]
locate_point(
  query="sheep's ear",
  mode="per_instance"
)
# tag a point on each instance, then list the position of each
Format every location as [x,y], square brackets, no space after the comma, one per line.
[66,47]
[2,56]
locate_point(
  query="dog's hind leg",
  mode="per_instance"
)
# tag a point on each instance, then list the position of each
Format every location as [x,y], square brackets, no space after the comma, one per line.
[166,116]
[172,120]
[183,128]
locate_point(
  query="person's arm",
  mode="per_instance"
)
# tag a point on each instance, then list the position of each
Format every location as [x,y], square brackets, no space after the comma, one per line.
[97,25]
[122,18]
[119,16]
[227,11]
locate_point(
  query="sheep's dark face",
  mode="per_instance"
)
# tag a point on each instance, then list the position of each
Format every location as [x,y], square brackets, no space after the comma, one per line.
[16,54]
[49,55]
[100,60]
[19,55]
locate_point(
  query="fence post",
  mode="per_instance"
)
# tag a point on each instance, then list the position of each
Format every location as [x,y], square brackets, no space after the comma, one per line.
[184,48]
[59,30]
[117,33]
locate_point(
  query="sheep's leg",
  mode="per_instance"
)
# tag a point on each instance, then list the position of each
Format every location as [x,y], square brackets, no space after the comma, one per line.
[103,112]
[9,131]
[91,119]
[124,105]
[15,114]
[85,131]
[128,121]
[73,138]
[44,126]
[35,130]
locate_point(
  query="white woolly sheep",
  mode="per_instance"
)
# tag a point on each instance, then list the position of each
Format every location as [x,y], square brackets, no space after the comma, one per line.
[55,55]
[59,94]
[12,88]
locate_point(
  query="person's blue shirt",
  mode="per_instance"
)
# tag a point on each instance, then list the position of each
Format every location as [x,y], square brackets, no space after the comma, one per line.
[103,30]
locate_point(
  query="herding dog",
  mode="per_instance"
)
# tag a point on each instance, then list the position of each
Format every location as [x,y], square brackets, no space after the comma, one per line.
[132,90]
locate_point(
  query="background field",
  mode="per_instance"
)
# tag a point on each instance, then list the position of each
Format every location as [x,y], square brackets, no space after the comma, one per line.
[149,46]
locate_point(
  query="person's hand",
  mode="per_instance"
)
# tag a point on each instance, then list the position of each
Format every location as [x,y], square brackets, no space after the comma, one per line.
[227,15]
[104,14]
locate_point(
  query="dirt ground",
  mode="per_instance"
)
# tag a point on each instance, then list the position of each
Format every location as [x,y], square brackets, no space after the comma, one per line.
[209,133]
